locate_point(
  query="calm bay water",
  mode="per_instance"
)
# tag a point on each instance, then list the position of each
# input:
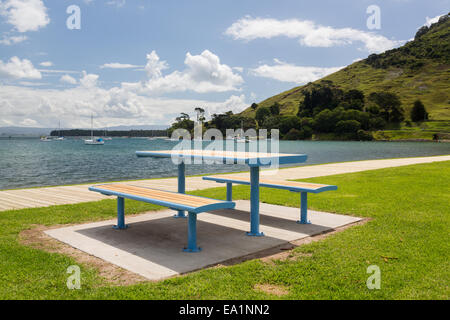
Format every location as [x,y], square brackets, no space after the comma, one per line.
[30,162]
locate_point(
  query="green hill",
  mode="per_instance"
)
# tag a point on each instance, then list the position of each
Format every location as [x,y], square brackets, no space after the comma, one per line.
[418,70]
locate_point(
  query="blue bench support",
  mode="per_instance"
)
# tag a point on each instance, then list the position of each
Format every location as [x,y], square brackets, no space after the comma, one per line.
[254,199]
[192,234]
[304,209]
[301,187]
[229,191]
[120,214]
[181,186]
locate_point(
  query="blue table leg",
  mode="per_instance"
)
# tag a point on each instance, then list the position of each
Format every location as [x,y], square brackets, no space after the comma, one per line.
[181,186]
[254,200]
[229,191]
[192,234]
[120,214]
[304,209]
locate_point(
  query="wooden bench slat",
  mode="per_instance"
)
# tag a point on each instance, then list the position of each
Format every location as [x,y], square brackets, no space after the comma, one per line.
[165,198]
[158,195]
[186,199]
[311,187]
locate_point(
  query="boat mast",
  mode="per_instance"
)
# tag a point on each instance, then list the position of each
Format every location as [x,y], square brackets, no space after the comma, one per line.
[92,127]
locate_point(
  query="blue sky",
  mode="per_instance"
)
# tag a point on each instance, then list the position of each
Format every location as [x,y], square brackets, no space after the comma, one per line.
[137,62]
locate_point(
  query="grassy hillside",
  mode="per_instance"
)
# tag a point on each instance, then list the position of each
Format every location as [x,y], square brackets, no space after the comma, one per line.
[418,70]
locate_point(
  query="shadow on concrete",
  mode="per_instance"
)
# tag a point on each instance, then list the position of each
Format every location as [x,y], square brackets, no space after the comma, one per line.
[161,240]
[274,222]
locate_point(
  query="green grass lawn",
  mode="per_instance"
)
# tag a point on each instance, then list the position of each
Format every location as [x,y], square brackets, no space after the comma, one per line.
[410,224]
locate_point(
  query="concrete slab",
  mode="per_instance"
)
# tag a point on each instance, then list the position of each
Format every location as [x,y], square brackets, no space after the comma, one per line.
[151,246]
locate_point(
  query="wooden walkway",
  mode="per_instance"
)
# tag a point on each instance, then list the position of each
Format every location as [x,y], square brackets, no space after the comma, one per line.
[50,196]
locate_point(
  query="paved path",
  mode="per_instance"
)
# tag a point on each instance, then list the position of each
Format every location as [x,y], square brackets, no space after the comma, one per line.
[49,196]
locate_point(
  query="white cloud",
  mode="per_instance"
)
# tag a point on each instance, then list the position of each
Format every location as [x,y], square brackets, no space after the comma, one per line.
[203,73]
[233,103]
[113,107]
[25,15]
[116,3]
[18,69]
[286,72]
[46,64]
[155,66]
[57,71]
[430,21]
[33,84]
[89,80]
[28,122]
[116,65]
[8,41]
[131,103]
[308,33]
[68,79]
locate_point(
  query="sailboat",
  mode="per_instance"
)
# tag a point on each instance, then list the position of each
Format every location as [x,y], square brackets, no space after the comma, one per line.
[239,138]
[60,137]
[92,140]
[106,137]
[46,139]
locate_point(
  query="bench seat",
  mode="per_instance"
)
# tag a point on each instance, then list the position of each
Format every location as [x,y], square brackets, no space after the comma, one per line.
[302,187]
[177,201]
[293,186]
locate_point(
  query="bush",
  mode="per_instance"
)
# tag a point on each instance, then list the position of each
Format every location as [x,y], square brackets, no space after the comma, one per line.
[272,123]
[325,121]
[377,123]
[307,132]
[295,134]
[347,126]
[418,112]
[275,109]
[261,114]
[289,122]
[390,106]
[364,135]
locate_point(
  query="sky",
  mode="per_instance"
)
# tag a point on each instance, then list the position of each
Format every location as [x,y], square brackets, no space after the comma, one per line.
[142,62]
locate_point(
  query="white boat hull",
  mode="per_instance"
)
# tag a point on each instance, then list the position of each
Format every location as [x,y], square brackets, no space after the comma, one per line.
[94,142]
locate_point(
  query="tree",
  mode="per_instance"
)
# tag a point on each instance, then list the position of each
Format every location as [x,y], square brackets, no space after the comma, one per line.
[348,126]
[296,134]
[324,121]
[364,135]
[390,106]
[289,122]
[200,114]
[262,114]
[254,106]
[418,112]
[182,122]
[272,123]
[275,109]
[293,134]
[183,116]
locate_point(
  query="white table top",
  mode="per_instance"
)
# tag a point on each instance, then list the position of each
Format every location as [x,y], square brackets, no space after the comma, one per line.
[249,158]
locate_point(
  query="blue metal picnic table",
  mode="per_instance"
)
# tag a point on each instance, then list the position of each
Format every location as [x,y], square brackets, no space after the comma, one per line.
[254,160]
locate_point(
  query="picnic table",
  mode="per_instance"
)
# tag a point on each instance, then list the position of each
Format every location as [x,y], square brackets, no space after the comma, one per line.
[254,160]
